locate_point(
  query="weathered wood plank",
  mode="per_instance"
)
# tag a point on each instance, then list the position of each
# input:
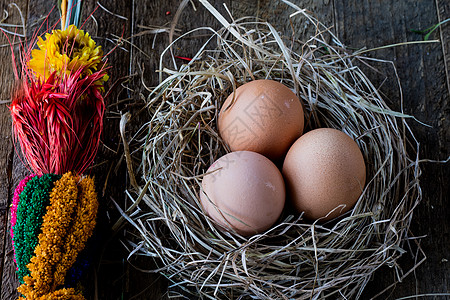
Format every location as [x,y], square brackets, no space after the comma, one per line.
[277,13]
[7,266]
[423,77]
[358,24]
[443,10]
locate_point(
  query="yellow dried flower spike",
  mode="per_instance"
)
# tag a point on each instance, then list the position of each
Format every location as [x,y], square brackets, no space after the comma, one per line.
[63,294]
[66,51]
[68,223]
[83,224]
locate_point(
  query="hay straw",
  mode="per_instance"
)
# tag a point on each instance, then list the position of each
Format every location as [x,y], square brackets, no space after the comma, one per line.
[168,155]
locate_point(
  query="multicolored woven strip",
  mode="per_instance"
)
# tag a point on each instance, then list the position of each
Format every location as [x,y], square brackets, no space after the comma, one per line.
[44,256]
[15,203]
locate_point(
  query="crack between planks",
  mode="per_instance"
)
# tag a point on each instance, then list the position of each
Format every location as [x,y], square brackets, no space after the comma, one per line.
[132,19]
[335,21]
[443,44]
[5,220]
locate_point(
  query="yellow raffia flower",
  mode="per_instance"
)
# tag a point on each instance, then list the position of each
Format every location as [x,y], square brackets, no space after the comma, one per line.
[66,51]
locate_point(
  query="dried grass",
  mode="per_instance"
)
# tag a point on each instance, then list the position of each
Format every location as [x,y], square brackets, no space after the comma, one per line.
[168,155]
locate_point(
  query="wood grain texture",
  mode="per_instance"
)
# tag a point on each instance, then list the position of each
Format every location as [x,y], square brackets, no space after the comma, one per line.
[443,11]
[423,73]
[423,77]
[7,171]
[277,13]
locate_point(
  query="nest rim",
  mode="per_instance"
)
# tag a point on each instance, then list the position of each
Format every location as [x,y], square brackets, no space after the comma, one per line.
[198,257]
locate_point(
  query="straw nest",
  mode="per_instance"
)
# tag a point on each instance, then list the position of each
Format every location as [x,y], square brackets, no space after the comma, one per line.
[179,140]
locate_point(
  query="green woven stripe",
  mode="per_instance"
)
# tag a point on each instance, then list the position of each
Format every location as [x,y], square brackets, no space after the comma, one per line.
[34,200]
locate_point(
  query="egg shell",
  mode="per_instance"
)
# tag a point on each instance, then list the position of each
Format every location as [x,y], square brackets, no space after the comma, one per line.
[323,169]
[243,191]
[265,117]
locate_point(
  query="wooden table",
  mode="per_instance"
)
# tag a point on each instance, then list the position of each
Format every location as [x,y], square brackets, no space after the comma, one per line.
[424,75]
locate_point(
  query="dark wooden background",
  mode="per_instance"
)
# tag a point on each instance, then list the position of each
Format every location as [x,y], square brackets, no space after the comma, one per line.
[424,74]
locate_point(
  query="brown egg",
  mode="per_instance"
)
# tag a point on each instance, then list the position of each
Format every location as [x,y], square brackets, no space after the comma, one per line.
[266,117]
[323,169]
[243,191]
